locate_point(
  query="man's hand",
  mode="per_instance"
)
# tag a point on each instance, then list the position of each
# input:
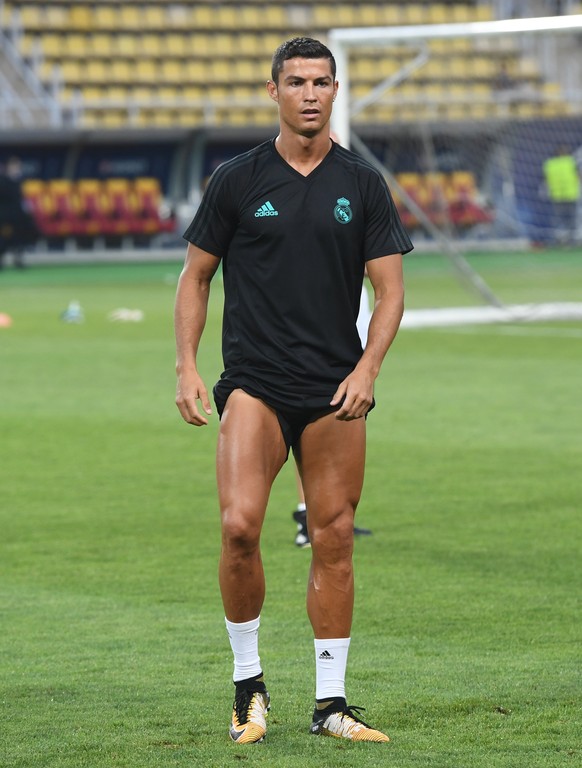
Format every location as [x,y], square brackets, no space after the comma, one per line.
[357,393]
[189,390]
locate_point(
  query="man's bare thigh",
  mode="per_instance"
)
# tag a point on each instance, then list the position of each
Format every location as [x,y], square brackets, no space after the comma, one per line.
[331,457]
[250,450]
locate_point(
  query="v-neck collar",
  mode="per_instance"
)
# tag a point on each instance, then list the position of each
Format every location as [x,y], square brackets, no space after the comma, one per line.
[294,171]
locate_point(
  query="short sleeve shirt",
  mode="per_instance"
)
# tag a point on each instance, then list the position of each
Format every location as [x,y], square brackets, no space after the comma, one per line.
[293,252]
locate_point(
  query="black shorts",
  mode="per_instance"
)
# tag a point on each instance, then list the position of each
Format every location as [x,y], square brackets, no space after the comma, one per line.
[292,422]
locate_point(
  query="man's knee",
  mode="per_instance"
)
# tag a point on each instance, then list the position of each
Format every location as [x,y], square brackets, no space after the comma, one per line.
[241,530]
[333,541]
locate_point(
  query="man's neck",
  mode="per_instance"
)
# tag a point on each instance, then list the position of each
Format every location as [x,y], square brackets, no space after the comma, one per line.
[303,153]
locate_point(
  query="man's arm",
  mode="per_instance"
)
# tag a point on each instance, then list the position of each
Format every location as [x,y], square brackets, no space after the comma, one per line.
[189,321]
[357,389]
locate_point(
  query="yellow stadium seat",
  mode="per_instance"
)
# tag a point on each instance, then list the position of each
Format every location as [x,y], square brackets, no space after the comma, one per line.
[226,17]
[199,44]
[55,17]
[273,17]
[389,15]
[150,44]
[92,93]
[72,71]
[220,70]
[146,71]
[32,17]
[171,70]
[122,70]
[127,45]
[75,45]
[174,44]
[80,17]
[245,71]
[141,93]
[203,17]
[117,92]
[101,44]
[192,92]
[114,118]
[413,13]
[323,16]
[153,17]
[105,17]
[169,93]
[438,13]
[130,17]
[250,17]
[246,43]
[96,71]
[368,15]
[195,71]
[223,44]
[52,45]
[345,16]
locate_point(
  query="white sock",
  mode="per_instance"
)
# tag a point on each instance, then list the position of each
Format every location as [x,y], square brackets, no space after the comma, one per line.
[331,658]
[244,641]
[301,506]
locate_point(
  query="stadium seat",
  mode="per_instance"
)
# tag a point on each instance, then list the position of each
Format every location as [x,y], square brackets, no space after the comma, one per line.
[465,208]
[122,208]
[39,201]
[101,44]
[149,206]
[153,17]
[130,17]
[80,18]
[93,208]
[174,44]
[63,220]
[127,45]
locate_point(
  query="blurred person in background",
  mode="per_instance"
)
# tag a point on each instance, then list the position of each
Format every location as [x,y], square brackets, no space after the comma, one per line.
[562,179]
[18,229]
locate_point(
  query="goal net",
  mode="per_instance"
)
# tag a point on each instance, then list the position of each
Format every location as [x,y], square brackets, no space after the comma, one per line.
[477,127]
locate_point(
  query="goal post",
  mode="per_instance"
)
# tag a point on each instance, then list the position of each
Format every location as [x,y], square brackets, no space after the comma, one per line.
[343,40]
[461,118]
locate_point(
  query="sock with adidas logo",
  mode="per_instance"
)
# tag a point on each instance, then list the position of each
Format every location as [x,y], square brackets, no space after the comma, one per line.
[331,658]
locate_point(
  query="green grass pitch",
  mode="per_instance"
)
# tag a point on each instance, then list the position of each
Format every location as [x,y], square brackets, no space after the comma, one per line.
[467,639]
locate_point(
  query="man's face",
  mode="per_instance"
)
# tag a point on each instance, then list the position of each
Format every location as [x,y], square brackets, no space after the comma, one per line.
[305,93]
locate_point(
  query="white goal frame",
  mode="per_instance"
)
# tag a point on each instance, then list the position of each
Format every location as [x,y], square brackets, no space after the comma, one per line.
[341,40]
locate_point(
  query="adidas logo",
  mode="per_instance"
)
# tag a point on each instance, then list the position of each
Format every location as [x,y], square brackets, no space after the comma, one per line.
[266,209]
[326,656]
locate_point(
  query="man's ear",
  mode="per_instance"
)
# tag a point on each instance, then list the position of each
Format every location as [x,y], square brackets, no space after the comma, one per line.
[272,90]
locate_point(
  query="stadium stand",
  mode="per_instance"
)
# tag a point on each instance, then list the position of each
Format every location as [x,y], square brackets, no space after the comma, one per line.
[175,60]
[197,65]
[91,208]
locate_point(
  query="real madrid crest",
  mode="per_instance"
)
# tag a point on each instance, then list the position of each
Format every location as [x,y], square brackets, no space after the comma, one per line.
[342,211]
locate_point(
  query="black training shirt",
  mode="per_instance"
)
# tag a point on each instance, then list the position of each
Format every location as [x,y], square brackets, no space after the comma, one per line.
[293,249]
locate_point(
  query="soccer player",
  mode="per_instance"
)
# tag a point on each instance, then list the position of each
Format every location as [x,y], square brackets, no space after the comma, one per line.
[294,221]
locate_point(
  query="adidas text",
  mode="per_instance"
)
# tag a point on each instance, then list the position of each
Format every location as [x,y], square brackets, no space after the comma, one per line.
[266,210]
[326,656]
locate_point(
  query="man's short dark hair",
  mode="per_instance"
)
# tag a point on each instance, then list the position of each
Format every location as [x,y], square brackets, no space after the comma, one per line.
[302,48]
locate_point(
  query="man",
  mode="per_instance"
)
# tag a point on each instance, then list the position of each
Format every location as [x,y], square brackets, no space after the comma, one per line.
[295,221]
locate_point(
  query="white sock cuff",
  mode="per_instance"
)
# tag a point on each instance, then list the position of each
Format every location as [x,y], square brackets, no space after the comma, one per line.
[244,626]
[337,642]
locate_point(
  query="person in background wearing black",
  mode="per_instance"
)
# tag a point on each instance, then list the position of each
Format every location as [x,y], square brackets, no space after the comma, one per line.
[18,229]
